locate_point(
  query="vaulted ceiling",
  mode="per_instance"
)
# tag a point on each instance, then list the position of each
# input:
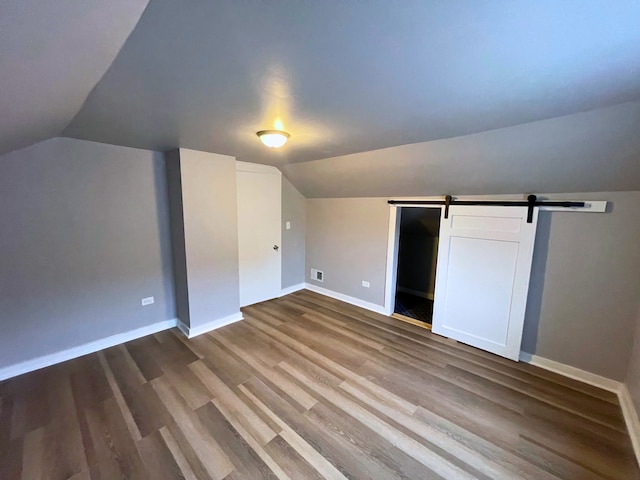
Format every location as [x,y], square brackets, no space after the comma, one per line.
[341,76]
[52,53]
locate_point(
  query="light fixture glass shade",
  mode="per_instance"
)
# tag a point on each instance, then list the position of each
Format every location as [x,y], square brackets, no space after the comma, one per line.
[273,138]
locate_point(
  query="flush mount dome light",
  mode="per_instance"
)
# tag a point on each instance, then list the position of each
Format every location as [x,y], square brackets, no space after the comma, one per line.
[273,138]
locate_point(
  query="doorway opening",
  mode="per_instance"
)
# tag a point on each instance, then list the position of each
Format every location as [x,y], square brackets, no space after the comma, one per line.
[418,234]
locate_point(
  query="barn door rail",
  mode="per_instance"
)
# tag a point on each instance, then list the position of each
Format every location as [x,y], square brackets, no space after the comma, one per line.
[531,202]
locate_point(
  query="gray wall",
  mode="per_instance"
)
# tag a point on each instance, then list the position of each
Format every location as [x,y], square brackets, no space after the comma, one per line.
[633,371]
[293,240]
[84,238]
[347,240]
[583,299]
[176,215]
[585,280]
[206,187]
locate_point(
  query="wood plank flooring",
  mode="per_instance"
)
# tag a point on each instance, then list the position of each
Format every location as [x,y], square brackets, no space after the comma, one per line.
[307,387]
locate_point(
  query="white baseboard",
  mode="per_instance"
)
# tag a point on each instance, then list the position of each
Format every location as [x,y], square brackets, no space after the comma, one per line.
[631,418]
[346,298]
[626,403]
[184,328]
[85,349]
[209,326]
[291,289]
[572,372]
[416,293]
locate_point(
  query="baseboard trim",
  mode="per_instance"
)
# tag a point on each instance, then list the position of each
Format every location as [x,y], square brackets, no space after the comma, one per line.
[184,328]
[291,289]
[85,349]
[416,293]
[209,326]
[346,298]
[572,372]
[631,419]
[629,411]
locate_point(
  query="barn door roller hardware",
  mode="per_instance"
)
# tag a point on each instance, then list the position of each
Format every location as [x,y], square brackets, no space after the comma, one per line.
[531,202]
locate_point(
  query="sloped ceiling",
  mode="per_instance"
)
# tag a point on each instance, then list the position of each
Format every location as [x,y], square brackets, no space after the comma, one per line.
[354,76]
[473,96]
[52,53]
[592,151]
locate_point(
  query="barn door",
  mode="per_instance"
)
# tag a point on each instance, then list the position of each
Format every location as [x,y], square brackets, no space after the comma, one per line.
[482,280]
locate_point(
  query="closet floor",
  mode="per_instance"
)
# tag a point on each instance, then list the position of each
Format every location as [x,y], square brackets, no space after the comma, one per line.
[418,308]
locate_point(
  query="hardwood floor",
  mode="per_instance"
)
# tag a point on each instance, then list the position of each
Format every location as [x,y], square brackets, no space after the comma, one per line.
[307,387]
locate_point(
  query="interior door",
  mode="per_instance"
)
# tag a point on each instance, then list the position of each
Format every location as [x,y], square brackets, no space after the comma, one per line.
[259,233]
[482,278]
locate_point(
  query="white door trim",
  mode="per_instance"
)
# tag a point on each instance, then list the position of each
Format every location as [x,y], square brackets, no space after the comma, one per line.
[392,260]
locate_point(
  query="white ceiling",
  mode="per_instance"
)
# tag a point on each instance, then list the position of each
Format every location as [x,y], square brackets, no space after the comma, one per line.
[52,53]
[352,76]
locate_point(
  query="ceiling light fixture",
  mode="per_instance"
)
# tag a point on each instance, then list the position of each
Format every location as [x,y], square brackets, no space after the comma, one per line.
[273,138]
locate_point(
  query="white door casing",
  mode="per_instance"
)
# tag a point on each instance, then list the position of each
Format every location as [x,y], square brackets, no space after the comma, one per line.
[259,231]
[482,278]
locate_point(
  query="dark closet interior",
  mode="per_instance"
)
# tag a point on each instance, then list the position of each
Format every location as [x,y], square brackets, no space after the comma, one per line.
[417,256]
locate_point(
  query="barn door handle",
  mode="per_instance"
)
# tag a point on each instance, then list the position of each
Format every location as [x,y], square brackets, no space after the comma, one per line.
[275,247]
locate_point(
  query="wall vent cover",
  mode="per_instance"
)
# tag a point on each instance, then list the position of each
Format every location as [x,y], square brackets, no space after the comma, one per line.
[317,275]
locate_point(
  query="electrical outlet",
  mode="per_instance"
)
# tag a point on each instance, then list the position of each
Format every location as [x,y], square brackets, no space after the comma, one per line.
[288,225]
[148,301]
[365,284]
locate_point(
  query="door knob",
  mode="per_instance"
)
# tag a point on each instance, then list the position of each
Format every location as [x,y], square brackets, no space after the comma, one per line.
[275,247]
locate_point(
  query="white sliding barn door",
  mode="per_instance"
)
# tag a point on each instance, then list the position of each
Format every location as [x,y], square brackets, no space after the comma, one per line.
[482,279]
[259,234]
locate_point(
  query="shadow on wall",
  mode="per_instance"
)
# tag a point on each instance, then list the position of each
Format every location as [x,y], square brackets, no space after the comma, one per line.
[536,284]
[538,272]
[164,231]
